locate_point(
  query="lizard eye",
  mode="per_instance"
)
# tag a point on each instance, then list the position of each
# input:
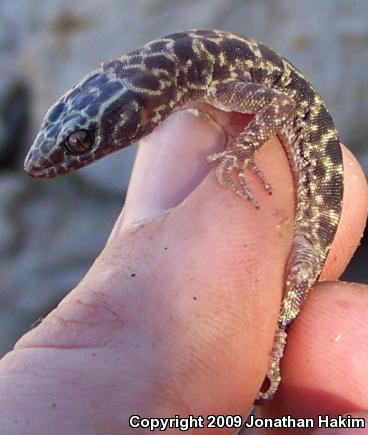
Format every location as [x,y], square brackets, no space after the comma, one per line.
[79,142]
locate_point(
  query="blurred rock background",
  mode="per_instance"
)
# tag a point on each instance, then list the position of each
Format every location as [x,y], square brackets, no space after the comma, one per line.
[50,231]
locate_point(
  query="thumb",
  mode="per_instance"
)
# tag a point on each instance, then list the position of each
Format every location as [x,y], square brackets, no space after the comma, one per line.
[225,258]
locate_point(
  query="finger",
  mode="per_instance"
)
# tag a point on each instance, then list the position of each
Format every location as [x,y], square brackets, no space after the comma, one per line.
[325,360]
[325,363]
[353,218]
[170,163]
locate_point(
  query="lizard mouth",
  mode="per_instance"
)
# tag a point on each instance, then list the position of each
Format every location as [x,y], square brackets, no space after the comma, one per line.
[49,165]
[37,172]
[47,169]
[43,168]
[54,165]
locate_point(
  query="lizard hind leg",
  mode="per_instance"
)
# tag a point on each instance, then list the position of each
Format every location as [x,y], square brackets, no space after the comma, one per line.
[302,270]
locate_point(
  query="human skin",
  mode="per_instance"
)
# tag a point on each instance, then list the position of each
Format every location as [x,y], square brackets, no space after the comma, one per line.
[177,314]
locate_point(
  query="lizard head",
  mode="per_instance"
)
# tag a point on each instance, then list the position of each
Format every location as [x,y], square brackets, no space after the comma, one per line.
[99,115]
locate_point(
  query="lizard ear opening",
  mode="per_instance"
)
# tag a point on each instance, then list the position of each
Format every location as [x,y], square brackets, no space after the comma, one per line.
[143,113]
[132,121]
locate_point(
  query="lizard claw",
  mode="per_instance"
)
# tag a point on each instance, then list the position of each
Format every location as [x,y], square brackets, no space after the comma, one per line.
[252,165]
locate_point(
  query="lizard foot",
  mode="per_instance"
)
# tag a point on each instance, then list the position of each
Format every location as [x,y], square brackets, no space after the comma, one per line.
[238,158]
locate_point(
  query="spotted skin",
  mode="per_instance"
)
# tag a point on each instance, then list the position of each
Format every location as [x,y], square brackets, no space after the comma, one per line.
[128,97]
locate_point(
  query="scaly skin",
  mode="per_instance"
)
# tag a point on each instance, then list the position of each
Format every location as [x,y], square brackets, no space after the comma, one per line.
[128,97]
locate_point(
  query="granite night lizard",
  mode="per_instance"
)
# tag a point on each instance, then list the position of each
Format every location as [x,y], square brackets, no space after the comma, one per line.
[128,97]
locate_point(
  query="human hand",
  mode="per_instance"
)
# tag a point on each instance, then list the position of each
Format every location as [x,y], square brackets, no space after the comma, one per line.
[177,314]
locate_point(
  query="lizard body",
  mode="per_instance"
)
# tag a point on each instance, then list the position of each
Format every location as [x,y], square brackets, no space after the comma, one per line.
[128,97]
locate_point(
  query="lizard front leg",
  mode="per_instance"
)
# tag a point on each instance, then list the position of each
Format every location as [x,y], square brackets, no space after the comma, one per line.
[272,110]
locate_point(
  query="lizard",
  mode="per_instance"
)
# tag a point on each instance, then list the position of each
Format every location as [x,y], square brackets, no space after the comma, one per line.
[126,98]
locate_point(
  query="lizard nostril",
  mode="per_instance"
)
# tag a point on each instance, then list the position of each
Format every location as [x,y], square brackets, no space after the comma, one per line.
[29,161]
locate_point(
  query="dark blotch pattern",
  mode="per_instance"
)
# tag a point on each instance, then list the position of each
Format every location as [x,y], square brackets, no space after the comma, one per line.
[71,116]
[74,93]
[92,110]
[160,61]
[302,87]
[181,79]
[334,151]
[178,35]
[135,60]
[83,100]
[207,33]
[96,81]
[183,49]
[220,72]
[158,46]
[55,113]
[44,147]
[109,90]
[211,46]
[52,131]
[320,169]
[323,118]
[113,65]
[145,80]
[331,190]
[126,72]
[199,73]
[325,228]
[235,49]
[169,93]
[271,56]
[112,116]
